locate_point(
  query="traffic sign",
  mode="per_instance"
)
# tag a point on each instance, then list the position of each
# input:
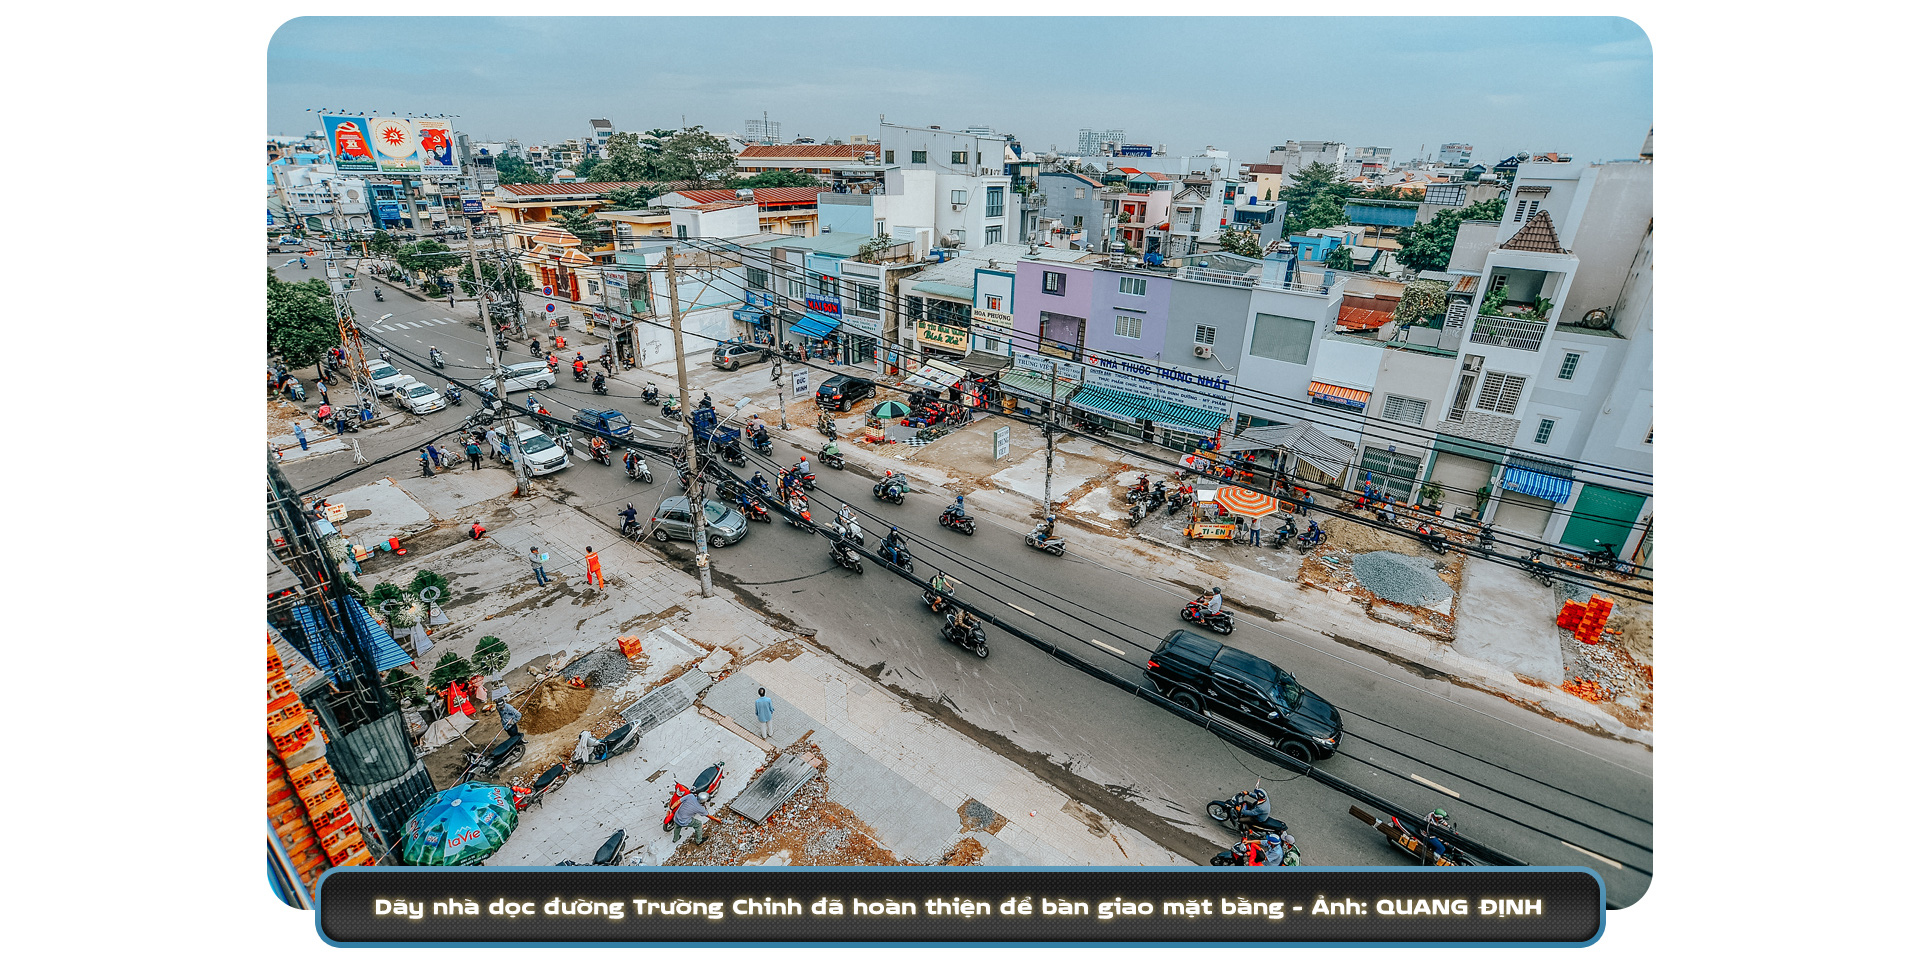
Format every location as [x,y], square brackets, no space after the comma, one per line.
[546,290]
[549,306]
[1002,439]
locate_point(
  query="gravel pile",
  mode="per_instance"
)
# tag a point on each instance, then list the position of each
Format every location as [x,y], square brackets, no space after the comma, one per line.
[603,669]
[1400,578]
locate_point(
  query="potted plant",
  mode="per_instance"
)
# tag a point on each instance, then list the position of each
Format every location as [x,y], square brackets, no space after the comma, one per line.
[1480,498]
[489,655]
[1431,496]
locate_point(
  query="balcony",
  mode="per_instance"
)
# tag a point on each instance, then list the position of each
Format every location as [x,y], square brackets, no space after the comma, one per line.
[1194,274]
[1507,331]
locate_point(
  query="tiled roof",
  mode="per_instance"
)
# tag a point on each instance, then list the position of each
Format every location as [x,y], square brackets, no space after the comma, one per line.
[707,196]
[708,208]
[1533,189]
[788,195]
[1263,167]
[564,189]
[1538,235]
[1358,319]
[805,152]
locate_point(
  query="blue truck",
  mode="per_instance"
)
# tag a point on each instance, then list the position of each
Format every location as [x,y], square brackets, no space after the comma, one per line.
[707,428]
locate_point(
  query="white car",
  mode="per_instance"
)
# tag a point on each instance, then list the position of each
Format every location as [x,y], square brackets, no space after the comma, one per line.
[544,456]
[386,379]
[527,376]
[419,398]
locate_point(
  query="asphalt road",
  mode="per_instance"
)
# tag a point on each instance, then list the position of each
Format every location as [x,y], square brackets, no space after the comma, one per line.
[1536,788]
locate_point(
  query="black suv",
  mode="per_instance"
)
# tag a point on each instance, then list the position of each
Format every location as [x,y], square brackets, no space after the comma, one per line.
[733,356]
[1199,673]
[842,392]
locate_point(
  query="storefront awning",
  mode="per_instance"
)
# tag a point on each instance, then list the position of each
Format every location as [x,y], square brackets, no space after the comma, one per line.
[1345,395]
[1539,478]
[747,315]
[1123,406]
[1038,386]
[815,327]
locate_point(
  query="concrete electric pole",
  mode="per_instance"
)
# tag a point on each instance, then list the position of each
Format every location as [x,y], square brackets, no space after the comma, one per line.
[522,484]
[696,488]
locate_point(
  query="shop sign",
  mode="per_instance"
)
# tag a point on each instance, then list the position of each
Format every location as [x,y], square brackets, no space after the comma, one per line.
[823,304]
[944,335]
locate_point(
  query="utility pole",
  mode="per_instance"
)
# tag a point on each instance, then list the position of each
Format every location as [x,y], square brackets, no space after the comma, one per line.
[1053,391]
[522,484]
[696,487]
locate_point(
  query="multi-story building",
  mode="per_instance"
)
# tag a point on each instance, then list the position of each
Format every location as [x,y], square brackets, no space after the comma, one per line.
[1296,155]
[1368,162]
[1072,209]
[781,210]
[973,197]
[1095,142]
[829,163]
[1456,154]
[1136,205]
[596,143]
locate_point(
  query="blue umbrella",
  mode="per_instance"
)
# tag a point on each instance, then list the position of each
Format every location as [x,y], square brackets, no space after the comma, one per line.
[460,826]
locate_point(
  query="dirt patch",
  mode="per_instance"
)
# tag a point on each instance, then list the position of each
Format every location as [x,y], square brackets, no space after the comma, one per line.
[809,829]
[969,851]
[1096,825]
[1337,577]
[1616,672]
[975,816]
[552,706]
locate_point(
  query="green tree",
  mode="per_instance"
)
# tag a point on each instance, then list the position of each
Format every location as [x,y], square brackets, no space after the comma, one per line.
[1429,246]
[1341,259]
[1324,210]
[513,169]
[695,154]
[1245,243]
[580,223]
[1312,181]
[628,159]
[775,178]
[300,322]
[1420,303]
[630,198]
[429,256]
[491,278]
[589,165]
[874,247]
[382,244]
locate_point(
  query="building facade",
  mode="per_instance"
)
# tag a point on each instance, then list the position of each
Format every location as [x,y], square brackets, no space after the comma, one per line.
[973,196]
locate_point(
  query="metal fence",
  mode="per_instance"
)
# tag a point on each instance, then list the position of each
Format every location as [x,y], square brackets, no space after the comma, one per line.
[1499,330]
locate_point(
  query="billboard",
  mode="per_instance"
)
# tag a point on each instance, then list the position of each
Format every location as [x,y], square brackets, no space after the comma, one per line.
[434,139]
[994,319]
[350,144]
[944,336]
[389,210]
[1136,150]
[395,145]
[471,204]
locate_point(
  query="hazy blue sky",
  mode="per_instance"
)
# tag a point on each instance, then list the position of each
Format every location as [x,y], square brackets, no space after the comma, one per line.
[1579,86]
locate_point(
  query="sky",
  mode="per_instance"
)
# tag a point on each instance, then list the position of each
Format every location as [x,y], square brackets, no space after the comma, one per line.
[1579,86]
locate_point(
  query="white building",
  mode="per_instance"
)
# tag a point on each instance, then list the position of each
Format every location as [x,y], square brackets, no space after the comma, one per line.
[1297,155]
[1456,154]
[973,196]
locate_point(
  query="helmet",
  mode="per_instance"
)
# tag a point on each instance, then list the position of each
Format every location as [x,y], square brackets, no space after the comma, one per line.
[1216,590]
[1273,840]
[1259,795]
[1439,814]
[1050,518]
[959,498]
[803,457]
[1240,848]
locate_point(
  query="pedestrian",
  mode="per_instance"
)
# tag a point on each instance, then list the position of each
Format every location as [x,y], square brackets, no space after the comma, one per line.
[340,423]
[1254,535]
[509,718]
[322,384]
[691,814]
[433,454]
[449,301]
[539,560]
[593,570]
[426,464]
[473,453]
[763,710]
[476,530]
[298,432]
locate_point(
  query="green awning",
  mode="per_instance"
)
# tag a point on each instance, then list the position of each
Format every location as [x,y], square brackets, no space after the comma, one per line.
[1468,448]
[1123,406]
[1038,386]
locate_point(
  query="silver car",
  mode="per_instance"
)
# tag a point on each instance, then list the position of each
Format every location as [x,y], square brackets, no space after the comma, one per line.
[674,520]
[419,398]
[526,376]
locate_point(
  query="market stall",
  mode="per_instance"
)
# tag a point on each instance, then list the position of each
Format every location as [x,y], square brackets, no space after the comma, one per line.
[1206,520]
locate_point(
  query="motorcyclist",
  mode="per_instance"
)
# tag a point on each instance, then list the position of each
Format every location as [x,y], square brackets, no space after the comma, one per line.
[1043,529]
[706,401]
[1254,810]
[434,354]
[942,586]
[553,361]
[627,459]
[533,348]
[673,402]
[959,507]
[599,383]
[629,517]
[596,447]
[376,294]
[801,468]
[1213,603]
[532,404]
[760,482]
[652,392]
[453,393]
[1281,852]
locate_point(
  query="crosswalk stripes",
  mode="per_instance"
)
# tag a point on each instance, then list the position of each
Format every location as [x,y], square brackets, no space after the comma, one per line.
[650,422]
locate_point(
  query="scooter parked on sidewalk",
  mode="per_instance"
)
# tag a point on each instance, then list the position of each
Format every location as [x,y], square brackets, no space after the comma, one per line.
[548,782]
[1313,537]
[1435,540]
[621,740]
[613,852]
[1137,514]
[1538,568]
[1159,496]
[483,763]
[1138,491]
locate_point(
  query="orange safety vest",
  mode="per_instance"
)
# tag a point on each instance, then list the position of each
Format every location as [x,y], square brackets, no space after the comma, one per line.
[593,569]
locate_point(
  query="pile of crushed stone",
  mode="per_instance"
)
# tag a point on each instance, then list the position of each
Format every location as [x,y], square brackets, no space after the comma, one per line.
[603,669]
[1400,578]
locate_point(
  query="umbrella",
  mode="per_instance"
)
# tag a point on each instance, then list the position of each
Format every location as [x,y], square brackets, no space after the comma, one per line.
[459,826]
[889,409]
[1245,501]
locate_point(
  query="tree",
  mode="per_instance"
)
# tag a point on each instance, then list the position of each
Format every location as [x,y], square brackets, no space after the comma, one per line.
[426,256]
[1324,210]
[1429,246]
[630,198]
[589,164]
[582,224]
[491,278]
[1245,243]
[1311,182]
[300,322]
[1341,259]
[695,154]
[628,159]
[775,178]
[1420,303]
[874,247]
[382,244]
[513,169]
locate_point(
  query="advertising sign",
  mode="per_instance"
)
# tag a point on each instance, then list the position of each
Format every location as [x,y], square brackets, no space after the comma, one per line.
[1043,365]
[944,336]
[472,205]
[994,319]
[1002,440]
[389,209]
[800,382]
[348,140]
[395,145]
[435,141]
[1205,391]
[1136,150]
[823,304]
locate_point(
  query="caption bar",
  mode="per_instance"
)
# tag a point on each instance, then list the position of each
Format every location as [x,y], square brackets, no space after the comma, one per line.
[375,906]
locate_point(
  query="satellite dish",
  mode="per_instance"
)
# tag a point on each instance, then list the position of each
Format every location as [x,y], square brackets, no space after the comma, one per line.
[1522,157]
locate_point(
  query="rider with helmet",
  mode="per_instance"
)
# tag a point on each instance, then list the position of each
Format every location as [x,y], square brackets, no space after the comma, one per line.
[1213,603]
[629,517]
[1255,809]
[959,507]
[1043,530]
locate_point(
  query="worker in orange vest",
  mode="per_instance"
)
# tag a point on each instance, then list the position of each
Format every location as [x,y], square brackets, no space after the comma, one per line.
[593,570]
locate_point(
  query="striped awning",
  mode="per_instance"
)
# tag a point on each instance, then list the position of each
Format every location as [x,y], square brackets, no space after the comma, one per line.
[1243,501]
[1038,386]
[1539,478]
[815,327]
[1123,406]
[1345,395]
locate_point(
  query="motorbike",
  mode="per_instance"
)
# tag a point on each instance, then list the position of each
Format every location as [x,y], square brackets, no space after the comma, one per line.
[453,395]
[705,785]
[670,409]
[377,297]
[1137,514]
[762,443]
[638,469]
[651,395]
[802,517]
[934,600]
[1599,559]
[1416,839]
[1177,501]
[1223,812]
[1486,540]
[972,637]
[732,455]
[753,510]
[847,558]
[613,852]
[1195,611]
[482,763]
[1138,491]
[1313,537]
[852,531]
[548,782]
[892,488]
[830,454]
[1538,569]
[1435,540]
[825,426]
[1159,496]
[580,373]
[956,522]
[1286,531]
[599,384]
[439,359]
[1052,544]
[635,530]
[788,353]
[896,555]
[621,740]
[601,454]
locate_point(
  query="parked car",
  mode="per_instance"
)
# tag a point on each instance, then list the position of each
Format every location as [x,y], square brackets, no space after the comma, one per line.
[843,392]
[527,376]
[1200,673]
[674,520]
[419,398]
[544,455]
[610,422]
[733,356]
[385,376]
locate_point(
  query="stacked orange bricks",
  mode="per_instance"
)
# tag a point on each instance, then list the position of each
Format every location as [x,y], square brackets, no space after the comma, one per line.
[305,804]
[1586,620]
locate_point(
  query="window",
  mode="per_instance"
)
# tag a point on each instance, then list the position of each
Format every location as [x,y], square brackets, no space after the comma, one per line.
[959,197]
[993,234]
[919,155]
[1080,194]
[1404,409]
[793,288]
[960,157]
[959,235]
[1053,283]
[1545,432]
[1501,393]
[868,297]
[1204,334]
[916,307]
[996,205]
[1525,209]
[1283,338]
[1649,439]
[1568,365]
[1497,283]
[1127,326]
[757,278]
[889,156]
[1078,220]
[680,231]
[1132,286]
[1392,471]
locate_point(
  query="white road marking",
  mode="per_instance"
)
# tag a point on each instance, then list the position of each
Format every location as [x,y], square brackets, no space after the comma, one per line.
[1108,647]
[1022,610]
[1593,855]
[1444,790]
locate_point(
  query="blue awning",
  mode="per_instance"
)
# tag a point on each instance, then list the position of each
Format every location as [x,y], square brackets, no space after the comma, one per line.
[813,326]
[746,316]
[1123,406]
[1540,479]
[387,652]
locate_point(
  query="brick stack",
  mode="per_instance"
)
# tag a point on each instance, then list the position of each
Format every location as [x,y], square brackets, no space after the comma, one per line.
[1598,609]
[305,804]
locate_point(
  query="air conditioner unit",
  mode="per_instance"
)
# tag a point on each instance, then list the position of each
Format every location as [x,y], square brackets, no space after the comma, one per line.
[959,207]
[1202,351]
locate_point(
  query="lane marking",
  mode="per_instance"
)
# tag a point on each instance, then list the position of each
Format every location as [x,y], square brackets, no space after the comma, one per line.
[1444,790]
[1108,647]
[1593,855]
[1022,610]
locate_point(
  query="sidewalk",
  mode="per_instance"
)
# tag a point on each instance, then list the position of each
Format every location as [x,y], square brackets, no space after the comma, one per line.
[893,786]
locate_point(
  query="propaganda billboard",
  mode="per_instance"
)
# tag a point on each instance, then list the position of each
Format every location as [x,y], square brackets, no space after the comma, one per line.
[348,140]
[435,140]
[395,145]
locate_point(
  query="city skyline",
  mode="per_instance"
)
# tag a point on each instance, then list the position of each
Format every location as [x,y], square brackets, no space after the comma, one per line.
[1593,101]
